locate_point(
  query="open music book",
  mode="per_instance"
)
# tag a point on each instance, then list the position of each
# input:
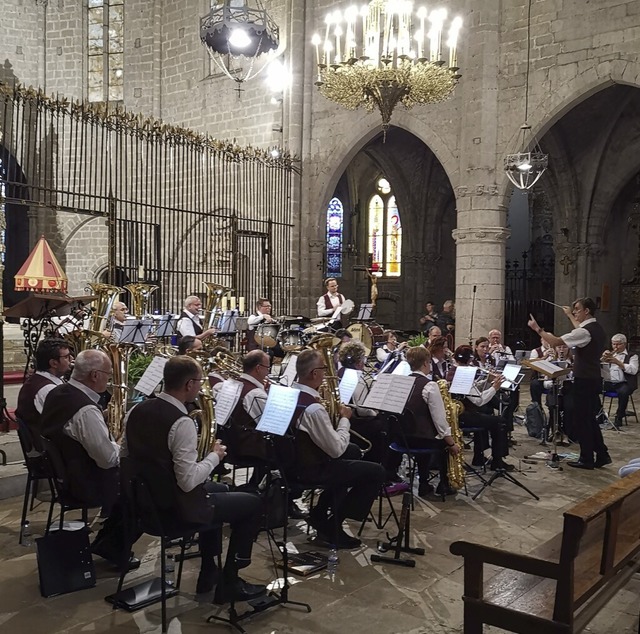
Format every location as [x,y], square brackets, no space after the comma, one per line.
[390,393]
[547,368]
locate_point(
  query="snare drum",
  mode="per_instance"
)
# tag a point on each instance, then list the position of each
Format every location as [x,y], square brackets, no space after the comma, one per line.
[370,334]
[267,335]
[291,340]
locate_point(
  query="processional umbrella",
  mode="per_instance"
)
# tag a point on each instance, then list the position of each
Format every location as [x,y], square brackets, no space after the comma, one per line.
[41,271]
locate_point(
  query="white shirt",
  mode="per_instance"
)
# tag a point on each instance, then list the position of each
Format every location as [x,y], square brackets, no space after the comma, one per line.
[480,397]
[383,353]
[323,311]
[185,324]
[183,445]
[315,421]
[88,427]
[256,319]
[579,337]
[616,373]
[41,394]
[432,397]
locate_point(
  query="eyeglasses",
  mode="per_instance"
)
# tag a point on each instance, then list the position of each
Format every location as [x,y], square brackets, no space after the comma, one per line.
[200,380]
[65,356]
[262,365]
[321,367]
[107,372]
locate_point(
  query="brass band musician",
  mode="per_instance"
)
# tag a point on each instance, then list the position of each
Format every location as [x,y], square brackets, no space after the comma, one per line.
[118,317]
[623,373]
[331,300]
[324,456]
[441,358]
[390,345]
[190,322]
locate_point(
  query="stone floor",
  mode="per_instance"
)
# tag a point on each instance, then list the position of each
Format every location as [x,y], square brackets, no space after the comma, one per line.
[362,597]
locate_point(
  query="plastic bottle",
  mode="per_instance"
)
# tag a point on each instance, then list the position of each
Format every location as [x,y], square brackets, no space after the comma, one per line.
[26,534]
[332,561]
[170,569]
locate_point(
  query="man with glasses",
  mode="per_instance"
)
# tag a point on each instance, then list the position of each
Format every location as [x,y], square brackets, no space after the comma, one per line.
[53,360]
[623,373]
[588,341]
[325,457]
[190,323]
[75,424]
[161,444]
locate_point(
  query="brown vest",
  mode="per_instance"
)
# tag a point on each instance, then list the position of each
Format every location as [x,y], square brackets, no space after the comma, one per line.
[308,454]
[26,410]
[423,426]
[244,441]
[327,301]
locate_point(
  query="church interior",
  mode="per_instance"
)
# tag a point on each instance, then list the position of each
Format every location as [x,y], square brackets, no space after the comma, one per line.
[478,154]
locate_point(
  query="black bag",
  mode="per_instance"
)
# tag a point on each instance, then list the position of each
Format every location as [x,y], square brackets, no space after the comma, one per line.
[535,420]
[275,503]
[64,562]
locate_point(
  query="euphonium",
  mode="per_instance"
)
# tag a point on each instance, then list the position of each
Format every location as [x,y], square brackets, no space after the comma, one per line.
[140,294]
[102,306]
[329,390]
[215,293]
[120,356]
[453,409]
[205,418]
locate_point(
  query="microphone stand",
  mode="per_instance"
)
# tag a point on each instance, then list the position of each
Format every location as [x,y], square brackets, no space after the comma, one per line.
[473,306]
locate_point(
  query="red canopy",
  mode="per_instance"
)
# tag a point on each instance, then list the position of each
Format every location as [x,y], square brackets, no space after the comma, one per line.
[42,271]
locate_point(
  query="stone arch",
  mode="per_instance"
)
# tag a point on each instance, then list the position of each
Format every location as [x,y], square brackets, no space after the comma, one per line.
[559,102]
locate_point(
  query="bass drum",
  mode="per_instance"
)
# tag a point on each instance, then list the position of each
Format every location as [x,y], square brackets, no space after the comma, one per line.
[370,334]
[267,335]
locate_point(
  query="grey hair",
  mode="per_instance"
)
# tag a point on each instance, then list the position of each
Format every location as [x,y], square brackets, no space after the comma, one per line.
[88,361]
[307,360]
[190,299]
[619,337]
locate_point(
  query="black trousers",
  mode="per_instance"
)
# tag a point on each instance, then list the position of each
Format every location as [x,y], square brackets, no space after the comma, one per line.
[496,426]
[349,485]
[624,391]
[536,388]
[586,404]
[242,512]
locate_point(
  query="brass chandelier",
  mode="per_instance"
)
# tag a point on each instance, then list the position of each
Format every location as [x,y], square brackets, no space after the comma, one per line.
[385,53]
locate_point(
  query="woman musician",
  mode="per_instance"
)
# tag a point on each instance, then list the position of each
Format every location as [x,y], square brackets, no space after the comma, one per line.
[441,358]
[390,346]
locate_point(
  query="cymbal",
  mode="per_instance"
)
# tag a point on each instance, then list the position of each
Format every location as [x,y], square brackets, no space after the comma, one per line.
[320,320]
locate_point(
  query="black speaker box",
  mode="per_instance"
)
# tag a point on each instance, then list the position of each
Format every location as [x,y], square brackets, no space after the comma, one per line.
[64,562]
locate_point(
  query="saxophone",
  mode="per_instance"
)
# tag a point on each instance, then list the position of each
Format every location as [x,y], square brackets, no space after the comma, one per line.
[453,409]
[329,390]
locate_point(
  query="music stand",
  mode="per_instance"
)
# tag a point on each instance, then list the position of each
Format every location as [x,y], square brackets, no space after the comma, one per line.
[364,312]
[166,326]
[279,411]
[135,331]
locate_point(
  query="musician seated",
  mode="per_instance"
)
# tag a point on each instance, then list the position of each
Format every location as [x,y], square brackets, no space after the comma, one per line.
[365,421]
[73,422]
[536,386]
[260,317]
[345,337]
[481,356]
[160,435]
[190,323]
[324,457]
[478,413]
[331,300]
[441,358]
[189,343]
[118,317]
[623,373]
[53,360]
[390,345]
[432,429]
[497,350]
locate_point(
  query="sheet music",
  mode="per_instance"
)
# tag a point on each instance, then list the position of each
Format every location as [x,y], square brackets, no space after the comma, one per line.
[226,400]
[166,326]
[403,368]
[545,367]
[152,376]
[348,384]
[279,410]
[463,380]
[289,375]
[510,371]
[390,393]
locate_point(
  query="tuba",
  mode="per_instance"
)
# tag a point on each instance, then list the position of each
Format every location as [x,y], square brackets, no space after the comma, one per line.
[453,409]
[329,390]
[120,355]
[215,293]
[140,294]
[205,420]
[107,295]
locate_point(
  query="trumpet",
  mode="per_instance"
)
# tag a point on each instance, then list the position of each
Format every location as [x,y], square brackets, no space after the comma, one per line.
[607,357]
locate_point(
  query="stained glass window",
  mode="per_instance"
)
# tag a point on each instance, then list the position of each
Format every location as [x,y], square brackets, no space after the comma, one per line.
[385,231]
[335,224]
[106,50]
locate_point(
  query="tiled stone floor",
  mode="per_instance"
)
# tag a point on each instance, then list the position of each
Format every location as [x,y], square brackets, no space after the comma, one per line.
[363,597]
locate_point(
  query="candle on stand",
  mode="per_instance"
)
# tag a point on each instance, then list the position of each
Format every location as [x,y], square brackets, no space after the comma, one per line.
[223,303]
[241,305]
[141,272]
[232,303]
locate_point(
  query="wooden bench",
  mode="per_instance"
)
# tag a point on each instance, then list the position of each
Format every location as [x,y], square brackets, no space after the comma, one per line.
[564,583]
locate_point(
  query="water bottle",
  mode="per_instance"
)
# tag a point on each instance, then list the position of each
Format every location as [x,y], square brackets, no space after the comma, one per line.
[332,561]
[170,569]
[26,534]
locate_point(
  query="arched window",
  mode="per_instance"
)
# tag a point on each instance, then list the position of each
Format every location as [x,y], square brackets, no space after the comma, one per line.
[106,50]
[385,231]
[335,223]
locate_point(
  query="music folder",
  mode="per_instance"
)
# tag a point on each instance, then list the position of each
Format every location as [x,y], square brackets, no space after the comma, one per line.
[546,368]
[279,410]
[390,393]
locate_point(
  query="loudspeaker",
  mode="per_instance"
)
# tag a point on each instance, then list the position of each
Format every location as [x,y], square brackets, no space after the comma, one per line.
[64,562]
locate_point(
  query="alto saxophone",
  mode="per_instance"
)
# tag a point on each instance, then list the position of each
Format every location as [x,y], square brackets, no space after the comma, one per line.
[453,409]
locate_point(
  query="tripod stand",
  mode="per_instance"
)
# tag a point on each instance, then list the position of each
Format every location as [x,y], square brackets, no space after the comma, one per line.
[273,598]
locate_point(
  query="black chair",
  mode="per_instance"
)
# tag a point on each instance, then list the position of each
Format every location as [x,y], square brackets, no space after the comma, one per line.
[63,496]
[149,506]
[38,469]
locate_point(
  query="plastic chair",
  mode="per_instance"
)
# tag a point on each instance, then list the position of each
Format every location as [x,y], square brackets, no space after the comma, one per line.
[611,394]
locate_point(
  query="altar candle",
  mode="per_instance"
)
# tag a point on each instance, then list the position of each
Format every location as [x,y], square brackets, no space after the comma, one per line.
[223,303]
[232,303]
[241,305]
[141,272]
